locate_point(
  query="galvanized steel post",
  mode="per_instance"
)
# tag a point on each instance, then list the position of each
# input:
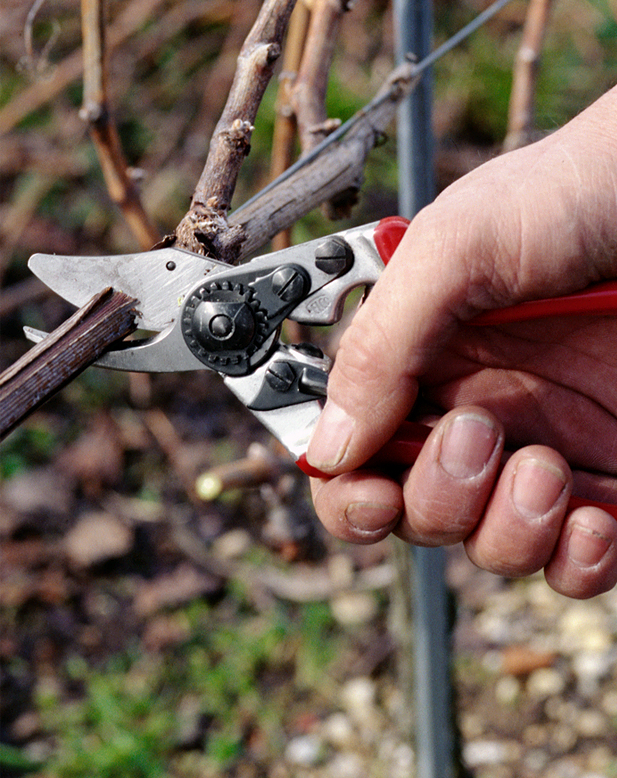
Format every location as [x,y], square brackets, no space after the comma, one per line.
[433,704]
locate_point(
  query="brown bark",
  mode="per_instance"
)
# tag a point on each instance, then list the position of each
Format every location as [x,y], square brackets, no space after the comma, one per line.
[284,136]
[204,229]
[258,467]
[308,93]
[339,167]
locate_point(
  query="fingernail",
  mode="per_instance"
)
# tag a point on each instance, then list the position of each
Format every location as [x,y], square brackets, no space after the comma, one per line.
[467,445]
[587,548]
[536,488]
[330,438]
[370,516]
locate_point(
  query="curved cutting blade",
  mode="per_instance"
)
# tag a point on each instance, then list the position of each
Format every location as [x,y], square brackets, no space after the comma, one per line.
[157,279]
[165,352]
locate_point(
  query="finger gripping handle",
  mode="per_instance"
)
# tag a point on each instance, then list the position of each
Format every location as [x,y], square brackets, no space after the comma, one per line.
[402,450]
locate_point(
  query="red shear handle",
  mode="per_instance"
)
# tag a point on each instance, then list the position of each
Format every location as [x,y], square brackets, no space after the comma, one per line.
[388,234]
[598,300]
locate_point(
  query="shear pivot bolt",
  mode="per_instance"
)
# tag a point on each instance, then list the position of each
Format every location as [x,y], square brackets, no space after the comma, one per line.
[280,376]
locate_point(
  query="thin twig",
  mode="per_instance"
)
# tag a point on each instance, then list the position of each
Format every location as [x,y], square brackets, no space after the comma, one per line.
[96,113]
[204,229]
[525,75]
[62,355]
[284,135]
[33,64]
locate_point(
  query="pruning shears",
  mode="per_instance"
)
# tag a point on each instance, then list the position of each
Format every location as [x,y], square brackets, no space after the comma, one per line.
[200,313]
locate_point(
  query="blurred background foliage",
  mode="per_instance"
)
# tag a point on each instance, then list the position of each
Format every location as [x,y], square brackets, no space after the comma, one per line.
[90,685]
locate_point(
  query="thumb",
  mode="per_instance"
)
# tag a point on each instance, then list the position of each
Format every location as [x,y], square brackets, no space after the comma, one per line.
[373,384]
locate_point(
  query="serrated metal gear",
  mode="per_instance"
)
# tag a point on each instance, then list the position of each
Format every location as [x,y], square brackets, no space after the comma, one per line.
[224,326]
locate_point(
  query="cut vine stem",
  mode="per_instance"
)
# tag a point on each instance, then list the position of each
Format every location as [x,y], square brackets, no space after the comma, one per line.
[63,354]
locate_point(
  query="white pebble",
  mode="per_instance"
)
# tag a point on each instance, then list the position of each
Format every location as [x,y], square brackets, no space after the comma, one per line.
[591,723]
[584,628]
[402,761]
[350,608]
[490,752]
[507,690]
[545,682]
[304,750]
[338,730]
[590,667]
[609,703]
[358,698]
[346,766]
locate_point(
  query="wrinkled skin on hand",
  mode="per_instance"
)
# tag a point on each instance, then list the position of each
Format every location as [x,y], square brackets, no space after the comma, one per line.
[538,222]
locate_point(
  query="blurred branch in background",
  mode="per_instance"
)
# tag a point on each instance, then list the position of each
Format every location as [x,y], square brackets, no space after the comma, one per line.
[284,134]
[525,75]
[43,91]
[309,87]
[259,465]
[18,215]
[96,112]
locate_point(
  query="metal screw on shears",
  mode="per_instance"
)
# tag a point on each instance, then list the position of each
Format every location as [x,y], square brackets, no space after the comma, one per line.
[280,376]
[334,256]
[288,284]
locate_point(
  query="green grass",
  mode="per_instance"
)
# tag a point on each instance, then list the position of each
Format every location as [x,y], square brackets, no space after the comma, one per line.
[237,672]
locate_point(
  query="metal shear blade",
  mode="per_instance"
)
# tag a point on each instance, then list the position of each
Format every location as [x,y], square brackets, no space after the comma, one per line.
[158,279]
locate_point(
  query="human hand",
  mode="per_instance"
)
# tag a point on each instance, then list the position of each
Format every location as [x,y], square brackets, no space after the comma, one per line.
[535,223]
